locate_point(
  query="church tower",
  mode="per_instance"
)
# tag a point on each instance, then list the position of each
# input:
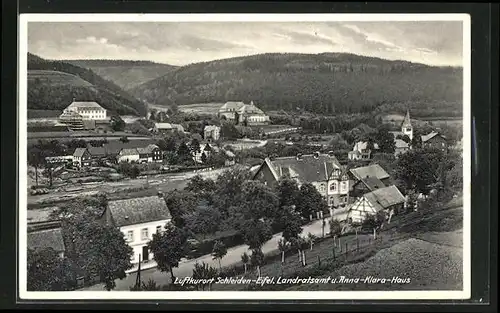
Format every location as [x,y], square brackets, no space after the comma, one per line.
[406,127]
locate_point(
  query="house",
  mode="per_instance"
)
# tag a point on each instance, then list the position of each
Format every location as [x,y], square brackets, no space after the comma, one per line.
[205,149]
[138,219]
[41,239]
[64,159]
[114,147]
[167,128]
[96,153]
[128,155]
[434,140]
[321,170]
[211,133]
[72,120]
[373,170]
[82,157]
[88,110]
[400,147]
[149,154]
[361,151]
[388,200]
[364,185]
[243,114]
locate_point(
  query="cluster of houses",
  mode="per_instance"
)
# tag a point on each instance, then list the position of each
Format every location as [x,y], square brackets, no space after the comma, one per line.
[351,195]
[137,218]
[363,151]
[243,114]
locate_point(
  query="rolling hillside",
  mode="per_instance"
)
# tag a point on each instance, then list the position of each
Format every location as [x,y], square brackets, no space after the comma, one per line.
[52,85]
[126,74]
[328,83]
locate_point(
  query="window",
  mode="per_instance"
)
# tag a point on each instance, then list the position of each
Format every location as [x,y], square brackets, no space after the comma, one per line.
[322,188]
[330,201]
[144,234]
[333,186]
[158,228]
[408,129]
[130,235]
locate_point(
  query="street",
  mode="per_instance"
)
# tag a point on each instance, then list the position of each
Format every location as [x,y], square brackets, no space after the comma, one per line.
[186,267]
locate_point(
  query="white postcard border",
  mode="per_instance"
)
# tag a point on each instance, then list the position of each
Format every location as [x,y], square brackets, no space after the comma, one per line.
[237,295]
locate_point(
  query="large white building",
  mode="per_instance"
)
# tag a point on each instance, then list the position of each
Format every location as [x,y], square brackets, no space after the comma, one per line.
[138,219]
[88,110]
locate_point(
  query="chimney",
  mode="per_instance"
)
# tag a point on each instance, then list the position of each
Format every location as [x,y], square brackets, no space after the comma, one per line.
[299,156]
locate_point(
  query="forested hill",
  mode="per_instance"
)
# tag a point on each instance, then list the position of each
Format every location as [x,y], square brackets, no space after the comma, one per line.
[326,83]
[125,73]
[52,85]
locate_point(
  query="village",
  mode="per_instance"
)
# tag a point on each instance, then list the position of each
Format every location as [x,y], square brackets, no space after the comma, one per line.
[234,182]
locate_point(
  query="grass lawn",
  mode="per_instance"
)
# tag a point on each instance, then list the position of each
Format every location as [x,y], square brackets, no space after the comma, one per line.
[410,239]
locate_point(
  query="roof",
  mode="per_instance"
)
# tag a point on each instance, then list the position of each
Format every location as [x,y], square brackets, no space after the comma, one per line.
[70,115]
[400,143]
[115,146]
[231,105]
[373,170]
[84,104]
[129,152]
[250,109]
[406,120]
[430,136]
[385,197]
[363,145]
[211,128]
[372,183]
[48,238]
[96,151]
[169,126]
[79,152]
[133,211]
[307,169]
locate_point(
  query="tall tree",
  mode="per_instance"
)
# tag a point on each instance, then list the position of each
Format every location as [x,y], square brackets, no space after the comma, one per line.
[205,220]
[219,251]
[245,259]
[35,159]
[385,140]
[288,191]
[180,204]
[47,272]
[310,201]
[229,189]
[168,248]
[292,223]
[204,273]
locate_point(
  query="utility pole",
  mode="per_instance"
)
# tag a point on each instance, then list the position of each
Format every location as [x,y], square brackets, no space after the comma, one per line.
[138,279]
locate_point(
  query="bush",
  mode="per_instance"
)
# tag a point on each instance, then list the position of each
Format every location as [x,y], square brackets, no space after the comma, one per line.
[206,246]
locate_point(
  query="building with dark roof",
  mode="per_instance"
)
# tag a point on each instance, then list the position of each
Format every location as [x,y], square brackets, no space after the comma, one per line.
[243,114]
[323,171]
[47,238]
[373,170]
[388,200]
[138,219]
[434,140]
[82,157]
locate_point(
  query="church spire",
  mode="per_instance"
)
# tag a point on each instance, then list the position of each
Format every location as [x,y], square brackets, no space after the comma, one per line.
[406,127]
[407,120]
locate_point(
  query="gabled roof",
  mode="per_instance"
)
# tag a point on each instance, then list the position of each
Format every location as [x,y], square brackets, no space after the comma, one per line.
[115,146]
[84,104]
[79,152]
[133,211]
[231,105]
[430,136]
[96,151]
[373,170]
[400,143]
[211,128]
[386,197]
[306,169]
[363,145]
[372,183]
[250,109]
[129,152]
[48,238]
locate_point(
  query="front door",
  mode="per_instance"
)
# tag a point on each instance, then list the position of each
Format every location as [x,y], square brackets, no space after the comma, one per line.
[145,253]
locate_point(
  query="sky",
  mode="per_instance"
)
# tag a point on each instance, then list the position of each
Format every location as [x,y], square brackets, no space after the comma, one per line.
[181,43]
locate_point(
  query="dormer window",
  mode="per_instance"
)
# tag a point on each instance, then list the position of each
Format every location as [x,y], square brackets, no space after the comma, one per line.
[333,186]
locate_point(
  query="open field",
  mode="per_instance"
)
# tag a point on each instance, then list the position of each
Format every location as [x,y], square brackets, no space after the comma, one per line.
[201,108]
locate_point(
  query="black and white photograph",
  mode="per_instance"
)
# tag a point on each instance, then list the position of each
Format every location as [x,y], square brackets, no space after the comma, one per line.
[244,156]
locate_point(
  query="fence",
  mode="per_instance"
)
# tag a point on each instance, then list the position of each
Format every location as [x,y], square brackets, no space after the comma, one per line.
[327,254]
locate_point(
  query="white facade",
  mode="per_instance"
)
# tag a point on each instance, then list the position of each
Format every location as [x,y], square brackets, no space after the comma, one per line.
[88,110]
[128,158]
[138,236]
